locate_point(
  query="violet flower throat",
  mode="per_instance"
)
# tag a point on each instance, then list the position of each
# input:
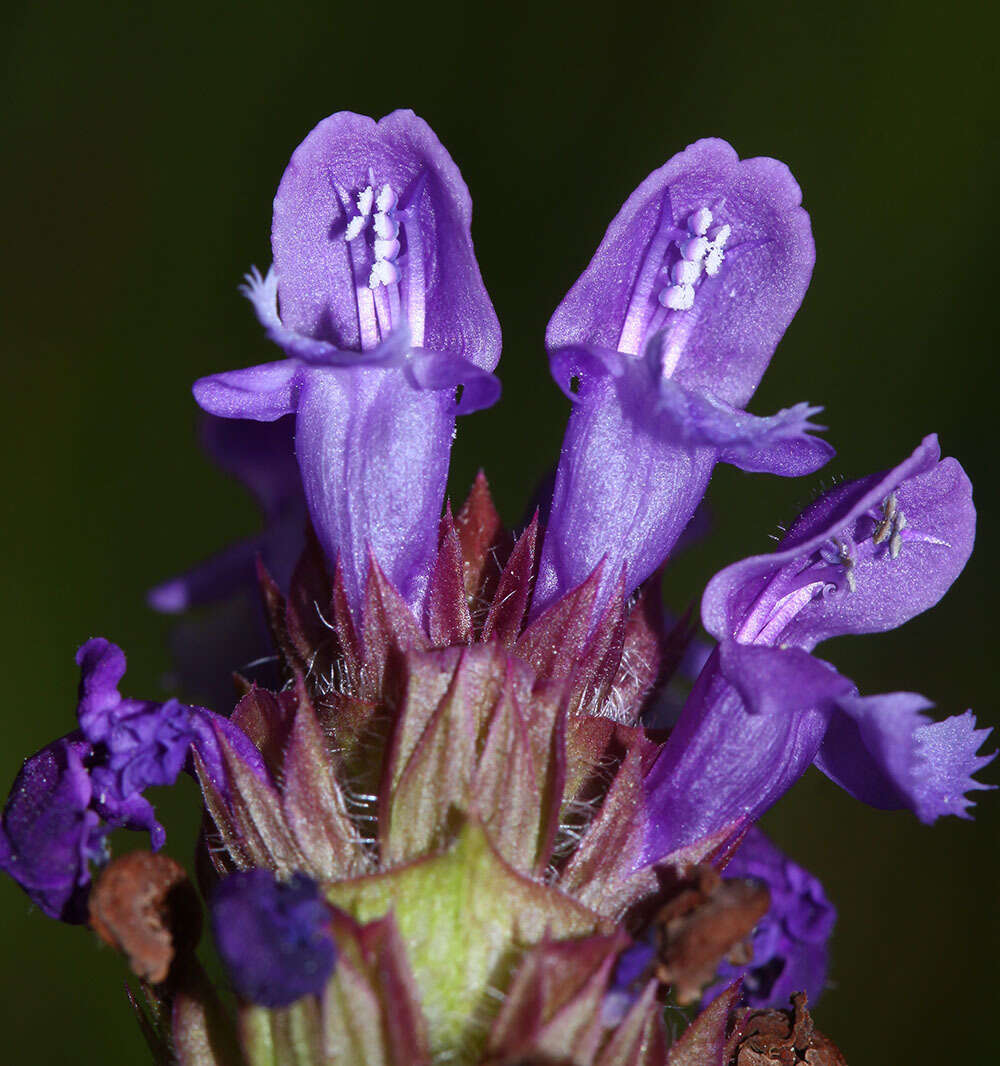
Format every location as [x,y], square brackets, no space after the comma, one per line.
[461,804]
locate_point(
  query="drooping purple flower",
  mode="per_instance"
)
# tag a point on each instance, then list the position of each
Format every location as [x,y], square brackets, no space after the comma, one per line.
[135,744]
[388,333]
[659,345]
[790,941]
[273,936]
[866,556]
[49,833]
[70,794]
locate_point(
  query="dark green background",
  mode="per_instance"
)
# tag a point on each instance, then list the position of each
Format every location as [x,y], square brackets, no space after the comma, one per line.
[142,146]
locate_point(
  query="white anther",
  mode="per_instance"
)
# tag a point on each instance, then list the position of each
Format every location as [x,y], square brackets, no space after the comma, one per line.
[721,234]
[365,198]
[713,261]
[385,227]
[678,297]
[715,256]
[383,272]
[684,272]
[354,227]
[386,198]
[895,545]
[699,221]
[900,520]
[386,249]
[694,249]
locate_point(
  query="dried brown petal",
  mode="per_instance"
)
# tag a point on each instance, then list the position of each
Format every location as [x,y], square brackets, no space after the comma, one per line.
[706,921]
[766,1037]
[144,906]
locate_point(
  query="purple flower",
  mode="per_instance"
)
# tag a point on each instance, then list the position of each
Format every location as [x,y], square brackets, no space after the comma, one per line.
[70,794]
[49,833]
[262,456]
[864,557]
[790,941]
[272,936]
[660,344]
[388,333]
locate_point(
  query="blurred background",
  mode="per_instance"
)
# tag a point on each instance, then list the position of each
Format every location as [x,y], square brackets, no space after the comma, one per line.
[142,146]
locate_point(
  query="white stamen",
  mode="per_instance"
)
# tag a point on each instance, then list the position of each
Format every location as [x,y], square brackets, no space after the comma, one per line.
[699,221]
[713,261]
[721,234]
[385,227]
[694,249]
[684,272]
[383,273]
[365,198]
[678,297]
[386,249]
[354,227]
[386,198]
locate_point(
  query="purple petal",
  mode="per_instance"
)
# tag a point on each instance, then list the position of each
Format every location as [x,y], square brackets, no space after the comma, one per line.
[790,941]
[724,342]
[865,557]
[263,393]
[261,455]
[48,834]
[273,937]
[886,752]
[102,666]
[620,496]
[444,370]
[222,575]
[374,459]
[319,283]
[779,444]
[656,384]
[748,731]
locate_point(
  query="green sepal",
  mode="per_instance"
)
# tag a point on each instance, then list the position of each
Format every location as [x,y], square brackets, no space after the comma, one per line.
[465,917]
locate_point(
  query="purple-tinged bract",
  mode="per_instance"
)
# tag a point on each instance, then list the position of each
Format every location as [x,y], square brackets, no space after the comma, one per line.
[377,301]
[273,936]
